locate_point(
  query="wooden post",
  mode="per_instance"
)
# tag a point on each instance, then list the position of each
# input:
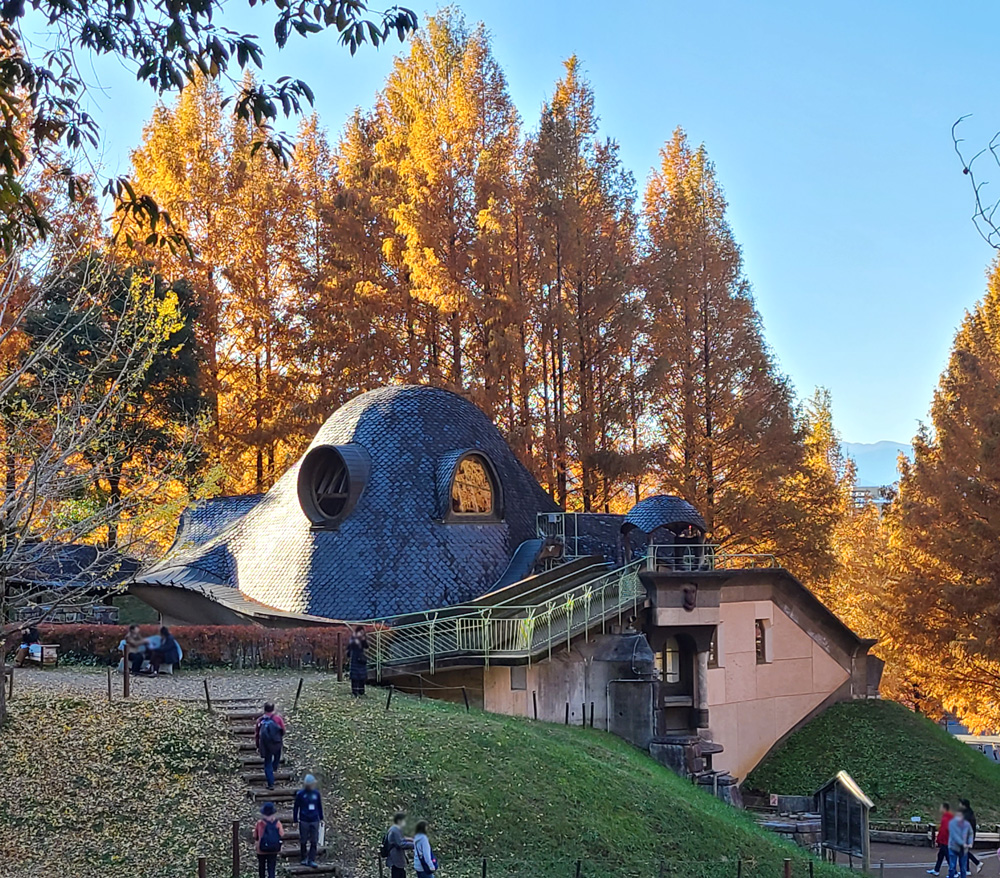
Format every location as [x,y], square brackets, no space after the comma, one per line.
[739,868]
[10,691]
[388,700]
[810,869]
[208,698]
[126,673]
[109,683]
[484,867]
[583,712]
[465,697]
[591,714]
[567,713]
[340,659]
[236,849]
[788,868]
[881,868]
[534,702]
[579,865]
[202,868]
[420,682]
[298,692]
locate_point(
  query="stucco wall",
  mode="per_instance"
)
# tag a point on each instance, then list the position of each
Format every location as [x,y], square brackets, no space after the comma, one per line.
[752,705]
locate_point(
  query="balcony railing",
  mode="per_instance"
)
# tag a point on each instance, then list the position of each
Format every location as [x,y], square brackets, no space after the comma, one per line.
[692,557]
[510,634]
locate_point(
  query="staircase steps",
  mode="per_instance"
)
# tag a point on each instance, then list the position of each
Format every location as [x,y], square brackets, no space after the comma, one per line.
[241,716]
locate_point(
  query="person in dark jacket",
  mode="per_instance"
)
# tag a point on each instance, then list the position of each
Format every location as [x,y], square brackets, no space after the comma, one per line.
[970,816]
[167,653]
[308,812]
[29,637]
[357,651]
[398,844]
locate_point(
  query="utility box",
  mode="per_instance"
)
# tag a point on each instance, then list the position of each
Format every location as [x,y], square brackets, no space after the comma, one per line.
[843,808]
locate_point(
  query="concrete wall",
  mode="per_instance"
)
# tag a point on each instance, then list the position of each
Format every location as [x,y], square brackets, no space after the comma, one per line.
[751,705]
[591,673]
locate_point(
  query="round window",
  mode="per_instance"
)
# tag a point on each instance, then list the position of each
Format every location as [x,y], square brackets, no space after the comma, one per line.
[327,487]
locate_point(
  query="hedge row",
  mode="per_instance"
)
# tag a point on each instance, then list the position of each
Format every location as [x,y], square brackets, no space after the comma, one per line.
[231,645]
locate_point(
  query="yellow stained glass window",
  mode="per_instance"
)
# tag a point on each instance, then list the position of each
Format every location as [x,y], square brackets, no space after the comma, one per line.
[472,489]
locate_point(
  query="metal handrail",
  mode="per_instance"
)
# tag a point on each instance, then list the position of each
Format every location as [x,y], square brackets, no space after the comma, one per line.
[692,557]
[512,633]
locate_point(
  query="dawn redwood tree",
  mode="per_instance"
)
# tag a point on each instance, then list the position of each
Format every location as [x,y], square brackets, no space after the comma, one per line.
[167,46]
[945,601]
[584,235]
[729,435]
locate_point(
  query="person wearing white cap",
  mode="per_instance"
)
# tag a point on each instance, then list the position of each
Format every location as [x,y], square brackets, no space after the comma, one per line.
[307,812]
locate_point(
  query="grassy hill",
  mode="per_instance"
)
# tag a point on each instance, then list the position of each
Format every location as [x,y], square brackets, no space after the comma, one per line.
[904,762]
[531,798]
[123,790]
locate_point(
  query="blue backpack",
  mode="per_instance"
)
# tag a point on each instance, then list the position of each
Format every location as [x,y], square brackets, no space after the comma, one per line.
[270,839]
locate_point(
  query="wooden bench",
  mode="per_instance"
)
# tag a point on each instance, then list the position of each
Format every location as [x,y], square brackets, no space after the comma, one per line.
[47,654]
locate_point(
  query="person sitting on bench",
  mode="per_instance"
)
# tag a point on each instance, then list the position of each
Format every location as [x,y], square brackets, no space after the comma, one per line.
[29,637]
[168,652]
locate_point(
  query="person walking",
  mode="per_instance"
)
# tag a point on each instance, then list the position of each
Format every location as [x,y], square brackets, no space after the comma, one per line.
[307,812]
[394,847]
[970,815]
[269,735]
[424,861]
[267,836]
[959,844]
[942,838]
[357,651]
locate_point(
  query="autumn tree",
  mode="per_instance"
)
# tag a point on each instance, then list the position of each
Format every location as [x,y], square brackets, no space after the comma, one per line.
[945,605]
[167,47]
[730,438]
[584,238]
[451,134]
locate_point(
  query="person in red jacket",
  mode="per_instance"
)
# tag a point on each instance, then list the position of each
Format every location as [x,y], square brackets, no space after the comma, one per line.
[942,838]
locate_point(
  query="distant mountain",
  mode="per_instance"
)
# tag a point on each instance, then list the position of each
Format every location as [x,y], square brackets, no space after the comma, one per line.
[876,461]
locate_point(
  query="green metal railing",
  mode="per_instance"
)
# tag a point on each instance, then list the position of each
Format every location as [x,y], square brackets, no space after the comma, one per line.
[510,633]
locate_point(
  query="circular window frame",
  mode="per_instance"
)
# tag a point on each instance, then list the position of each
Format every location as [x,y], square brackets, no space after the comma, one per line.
[328,473]
[496,515]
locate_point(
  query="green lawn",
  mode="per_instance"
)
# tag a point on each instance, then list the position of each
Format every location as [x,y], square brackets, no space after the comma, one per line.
[904,762]
[123,790]
[530,797]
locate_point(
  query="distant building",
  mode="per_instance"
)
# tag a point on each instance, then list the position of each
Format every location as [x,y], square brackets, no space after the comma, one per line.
[409,511]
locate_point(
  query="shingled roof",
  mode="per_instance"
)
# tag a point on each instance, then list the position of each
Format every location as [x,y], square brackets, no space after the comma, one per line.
[393,553]
[663,510]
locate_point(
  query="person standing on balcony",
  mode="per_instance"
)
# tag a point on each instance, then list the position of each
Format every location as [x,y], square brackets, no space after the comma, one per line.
[357,651]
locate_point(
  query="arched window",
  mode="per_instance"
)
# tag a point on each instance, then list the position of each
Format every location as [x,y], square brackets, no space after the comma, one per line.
[472,490]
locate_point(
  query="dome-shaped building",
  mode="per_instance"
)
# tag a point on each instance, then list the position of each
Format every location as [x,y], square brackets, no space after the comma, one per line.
[407,498]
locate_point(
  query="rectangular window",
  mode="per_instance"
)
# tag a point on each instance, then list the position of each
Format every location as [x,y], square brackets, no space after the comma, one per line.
[713,649]
[762,637]
[518,678]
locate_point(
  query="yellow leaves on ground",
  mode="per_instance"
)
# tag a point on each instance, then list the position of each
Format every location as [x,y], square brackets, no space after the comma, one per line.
[123,789]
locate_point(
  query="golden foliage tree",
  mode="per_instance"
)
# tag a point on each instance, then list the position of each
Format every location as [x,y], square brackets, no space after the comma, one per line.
[945,607]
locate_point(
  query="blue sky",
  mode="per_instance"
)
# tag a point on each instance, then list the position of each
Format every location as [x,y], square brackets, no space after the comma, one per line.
[830,128]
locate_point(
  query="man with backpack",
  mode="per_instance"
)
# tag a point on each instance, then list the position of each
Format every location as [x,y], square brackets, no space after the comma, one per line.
[308,812]
[394,844]
[269,735]
[267,836]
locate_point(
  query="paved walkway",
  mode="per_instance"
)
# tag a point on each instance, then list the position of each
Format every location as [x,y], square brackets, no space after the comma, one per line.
[261,685]
[910,861]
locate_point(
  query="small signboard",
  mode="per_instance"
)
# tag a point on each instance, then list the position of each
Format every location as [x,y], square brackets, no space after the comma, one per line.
[843,809]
